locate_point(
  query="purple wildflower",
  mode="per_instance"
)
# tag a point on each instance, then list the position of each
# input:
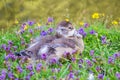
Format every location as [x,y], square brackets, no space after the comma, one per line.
[100,76]
[58,70]
[92,32]
[116,55]
[23,42]
[50,19]
[118,75]
[60,64]
[73,59]
[3,75]
[80,66]
[103,39]
[8,48]
[53,60]
[38,67]
[23,26]
[8,66]
[89,63]
[66,54]
[3,72]
[98,68]
[92,52]
[7,57]
[82,32]
[74,51]
[53,70]
[29,67]
[19,69]
[27,77]
[81,61]
[10,43]
[31,73]
[31,31]
[3,46]
[10,75]
[71,75]
[10,56]
[86,25]
[16,79]
[43,56]
[22,31]
[110,60]
[30,23]
[43,33]
[13,57]
[50,30]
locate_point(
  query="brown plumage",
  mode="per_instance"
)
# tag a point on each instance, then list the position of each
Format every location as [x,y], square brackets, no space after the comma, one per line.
[66,39]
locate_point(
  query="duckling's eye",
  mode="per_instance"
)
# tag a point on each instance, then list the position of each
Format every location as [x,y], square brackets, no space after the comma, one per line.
[63,29]
[70,28]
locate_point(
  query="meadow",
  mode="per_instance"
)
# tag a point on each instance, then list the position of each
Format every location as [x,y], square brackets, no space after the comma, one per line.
[100,59]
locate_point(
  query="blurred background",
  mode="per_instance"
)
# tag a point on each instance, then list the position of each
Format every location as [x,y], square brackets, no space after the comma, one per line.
[40,10]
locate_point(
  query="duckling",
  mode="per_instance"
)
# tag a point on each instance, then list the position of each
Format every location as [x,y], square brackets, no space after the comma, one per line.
[69,40]
[66,39]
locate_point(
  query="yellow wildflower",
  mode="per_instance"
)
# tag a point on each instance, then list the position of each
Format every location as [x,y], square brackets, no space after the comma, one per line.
[95,16]
[81,23]
[67,20]
[114,22]
[38,24]
[16,21]
[25,27]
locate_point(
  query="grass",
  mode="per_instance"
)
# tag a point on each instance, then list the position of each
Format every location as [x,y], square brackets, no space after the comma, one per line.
[102,52]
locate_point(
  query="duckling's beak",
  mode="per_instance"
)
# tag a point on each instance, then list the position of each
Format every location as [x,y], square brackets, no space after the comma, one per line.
[21,53]
[17,53]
